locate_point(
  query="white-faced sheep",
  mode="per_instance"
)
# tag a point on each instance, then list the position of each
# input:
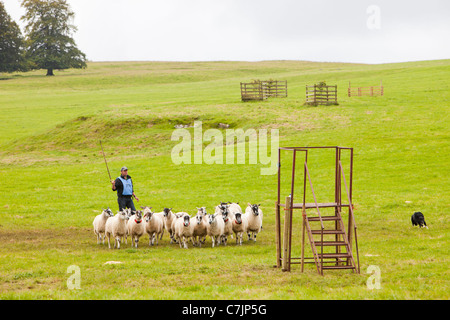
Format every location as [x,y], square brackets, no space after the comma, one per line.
[136,228]
[177,216]
[129,214]
[154,226]
[227,210]
[117,227]
[200,229]
[183,230]
[254,218]
[169,217]
[216,228]
[239,226]
[99,224]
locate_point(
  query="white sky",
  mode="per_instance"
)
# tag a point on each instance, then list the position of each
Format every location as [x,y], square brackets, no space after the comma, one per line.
[252,30]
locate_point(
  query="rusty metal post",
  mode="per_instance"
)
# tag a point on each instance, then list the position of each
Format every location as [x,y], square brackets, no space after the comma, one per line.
[277,214]
[286,236]
[291,206]
[278,234]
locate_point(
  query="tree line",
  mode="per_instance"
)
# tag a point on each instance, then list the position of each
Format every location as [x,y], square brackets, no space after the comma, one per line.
[47,43]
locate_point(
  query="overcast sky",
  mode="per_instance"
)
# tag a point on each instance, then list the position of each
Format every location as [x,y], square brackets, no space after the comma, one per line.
[375,31]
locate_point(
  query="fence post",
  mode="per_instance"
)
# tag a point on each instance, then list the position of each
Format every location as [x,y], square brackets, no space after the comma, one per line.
[335,94]
[287,235]
[315,91]
[278,233]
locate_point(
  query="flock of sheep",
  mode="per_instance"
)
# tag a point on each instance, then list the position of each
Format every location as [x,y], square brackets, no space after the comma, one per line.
[227,220]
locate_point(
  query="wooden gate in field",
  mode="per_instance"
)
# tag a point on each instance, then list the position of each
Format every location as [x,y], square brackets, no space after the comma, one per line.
[261,90]
[252,91]
[366,91]
[275,88]
[321,94]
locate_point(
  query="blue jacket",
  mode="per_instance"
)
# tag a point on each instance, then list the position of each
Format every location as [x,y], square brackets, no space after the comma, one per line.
[124,187]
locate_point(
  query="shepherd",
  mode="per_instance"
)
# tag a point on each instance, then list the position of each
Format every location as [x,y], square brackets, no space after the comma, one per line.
[125,193]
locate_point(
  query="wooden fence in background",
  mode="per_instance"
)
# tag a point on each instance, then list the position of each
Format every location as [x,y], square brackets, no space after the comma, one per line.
[365,91]
[261,90]
[321,95]
[275,88]
[252,91]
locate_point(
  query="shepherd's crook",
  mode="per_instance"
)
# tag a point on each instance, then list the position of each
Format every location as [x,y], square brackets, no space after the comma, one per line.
[105,161]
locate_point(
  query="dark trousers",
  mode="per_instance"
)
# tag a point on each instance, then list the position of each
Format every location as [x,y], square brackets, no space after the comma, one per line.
[126,202]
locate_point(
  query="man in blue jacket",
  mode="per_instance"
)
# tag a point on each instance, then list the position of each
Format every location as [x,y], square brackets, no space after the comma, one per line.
[125,193]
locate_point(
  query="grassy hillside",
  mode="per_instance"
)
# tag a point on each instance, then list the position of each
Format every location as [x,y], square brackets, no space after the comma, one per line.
[55,181]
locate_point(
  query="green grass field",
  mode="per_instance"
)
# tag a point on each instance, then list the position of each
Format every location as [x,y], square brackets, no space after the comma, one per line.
[55,181]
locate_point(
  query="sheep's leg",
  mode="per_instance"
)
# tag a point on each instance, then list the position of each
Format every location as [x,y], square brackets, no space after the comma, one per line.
[98,237]
[109,243]
[249,236]
[136,241]
[185,245]
[213,240]
[118,242]
[179,241]
[162,233]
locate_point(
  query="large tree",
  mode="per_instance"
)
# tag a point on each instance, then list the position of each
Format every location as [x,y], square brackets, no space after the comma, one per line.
[49,42]
[11,44]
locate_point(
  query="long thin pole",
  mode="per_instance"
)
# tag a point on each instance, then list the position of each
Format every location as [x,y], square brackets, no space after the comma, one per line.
[104,157]
[277,214]
[291,205]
